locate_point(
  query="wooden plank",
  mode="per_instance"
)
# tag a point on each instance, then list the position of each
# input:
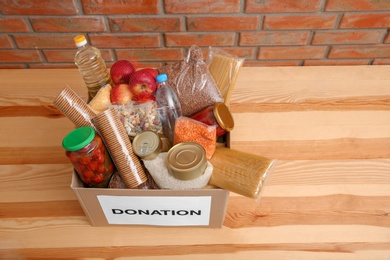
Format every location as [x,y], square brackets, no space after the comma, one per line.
[336,149]
[64,228]
[36,183]
[48,182]
[32,155]
[218,252]
[43,131]
[328,197]
[311,125]
[47,83]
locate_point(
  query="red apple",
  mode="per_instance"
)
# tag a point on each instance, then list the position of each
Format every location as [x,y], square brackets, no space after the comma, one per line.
[143,85]
[121,70]
[121,94]
[152,71]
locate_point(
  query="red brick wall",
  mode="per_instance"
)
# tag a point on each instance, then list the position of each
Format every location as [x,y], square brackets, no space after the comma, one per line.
[39,33]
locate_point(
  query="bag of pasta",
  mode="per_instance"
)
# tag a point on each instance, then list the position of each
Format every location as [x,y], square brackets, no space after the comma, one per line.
[224,68]
[240,172]
[191,80]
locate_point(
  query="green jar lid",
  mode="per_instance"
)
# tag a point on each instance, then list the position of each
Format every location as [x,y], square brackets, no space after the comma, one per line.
[78,138]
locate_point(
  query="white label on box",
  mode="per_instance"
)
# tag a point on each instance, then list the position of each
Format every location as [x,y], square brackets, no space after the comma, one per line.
[154,210]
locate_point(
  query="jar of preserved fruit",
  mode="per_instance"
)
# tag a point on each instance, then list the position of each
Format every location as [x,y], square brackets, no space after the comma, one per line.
[89,156]
[218,115]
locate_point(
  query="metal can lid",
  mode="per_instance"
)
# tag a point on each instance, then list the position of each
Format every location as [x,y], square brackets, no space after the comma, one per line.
[186,161]
[223,116]
[147,145]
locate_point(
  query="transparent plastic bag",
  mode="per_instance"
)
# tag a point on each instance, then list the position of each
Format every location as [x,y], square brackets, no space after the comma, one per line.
[192,82]
[138,117]
[101,100]
[224,68]
[190,130]
[240,172]
[165,180]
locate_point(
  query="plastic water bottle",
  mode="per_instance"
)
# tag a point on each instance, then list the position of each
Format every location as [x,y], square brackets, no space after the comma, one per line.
[91,65]
[168,106]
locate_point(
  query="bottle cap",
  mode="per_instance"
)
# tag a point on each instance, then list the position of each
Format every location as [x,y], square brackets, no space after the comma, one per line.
[223,116]
[78,138]
[80,40]
[161,77]
[186,161]
[147,145]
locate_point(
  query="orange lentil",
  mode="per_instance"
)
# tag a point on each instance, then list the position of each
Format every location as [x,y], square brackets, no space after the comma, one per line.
[190,130]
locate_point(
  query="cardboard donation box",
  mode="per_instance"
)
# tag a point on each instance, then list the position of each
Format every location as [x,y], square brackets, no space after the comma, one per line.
[194,126]
[197,208]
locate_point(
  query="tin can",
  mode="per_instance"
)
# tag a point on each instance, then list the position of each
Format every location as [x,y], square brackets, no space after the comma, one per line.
[147,145]
[186,161]
[89,156]
[165,143]
[218,115]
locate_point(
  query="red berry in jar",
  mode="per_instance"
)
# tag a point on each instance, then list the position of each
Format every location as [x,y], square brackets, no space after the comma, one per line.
[87,152]
[101,159]
[100,144]
[101,168]
[88,174]
[93,166]
[98,178]
[97,153]
[84,160]
[82,167]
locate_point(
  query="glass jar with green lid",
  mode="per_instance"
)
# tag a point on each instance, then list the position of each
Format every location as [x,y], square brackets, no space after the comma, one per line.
[89,156]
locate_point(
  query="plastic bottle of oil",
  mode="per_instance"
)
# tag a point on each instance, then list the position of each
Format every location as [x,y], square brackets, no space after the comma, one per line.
[91,65]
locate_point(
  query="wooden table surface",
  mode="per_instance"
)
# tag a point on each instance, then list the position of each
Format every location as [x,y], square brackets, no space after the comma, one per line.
[328,198]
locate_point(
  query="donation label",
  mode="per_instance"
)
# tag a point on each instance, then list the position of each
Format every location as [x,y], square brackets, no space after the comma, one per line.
[156,210]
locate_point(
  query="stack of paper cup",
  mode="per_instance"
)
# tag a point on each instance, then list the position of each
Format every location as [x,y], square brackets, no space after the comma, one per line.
[118,143]
[72,106]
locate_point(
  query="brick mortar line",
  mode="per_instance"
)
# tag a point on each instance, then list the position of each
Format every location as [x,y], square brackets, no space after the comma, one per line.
[161,7]
[260,24]
[385,35]
[196,32]
[163,14]
[322,6]
[310,38]
[79,7]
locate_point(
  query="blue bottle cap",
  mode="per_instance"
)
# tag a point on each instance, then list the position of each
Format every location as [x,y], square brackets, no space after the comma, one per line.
[161,77]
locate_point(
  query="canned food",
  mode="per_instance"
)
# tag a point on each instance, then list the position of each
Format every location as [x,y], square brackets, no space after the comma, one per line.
[186,161]
[89,156]
[218,115]
[147,145]
[165,143]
